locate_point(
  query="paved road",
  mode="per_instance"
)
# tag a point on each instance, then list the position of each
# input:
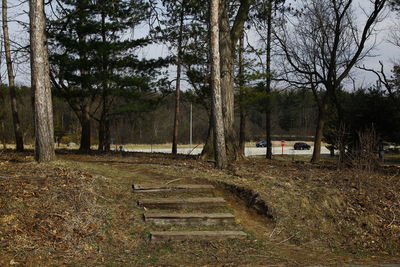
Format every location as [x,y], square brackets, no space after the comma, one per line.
[250,151]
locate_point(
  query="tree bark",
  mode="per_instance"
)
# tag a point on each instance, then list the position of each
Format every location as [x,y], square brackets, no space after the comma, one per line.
[242,127]
[108,136]
[208,149]
[85,121]
[11,81]
[85,108]
[101,146]
[242,134]
[228,39]
[218,121]
[319,132]
[40,80]
[104,123]
[227,82]
[268,134]
[178,83]
[3,135]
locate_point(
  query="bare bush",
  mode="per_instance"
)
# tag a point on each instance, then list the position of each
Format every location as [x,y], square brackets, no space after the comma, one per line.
[364,155]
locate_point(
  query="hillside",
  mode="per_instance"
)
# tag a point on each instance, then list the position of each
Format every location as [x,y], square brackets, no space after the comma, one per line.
[80,210]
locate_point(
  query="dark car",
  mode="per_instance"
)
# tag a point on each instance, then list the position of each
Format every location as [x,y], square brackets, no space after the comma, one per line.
[261,144]
[301,146]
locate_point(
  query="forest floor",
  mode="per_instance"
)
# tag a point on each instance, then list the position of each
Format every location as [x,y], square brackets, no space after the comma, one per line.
[80,211]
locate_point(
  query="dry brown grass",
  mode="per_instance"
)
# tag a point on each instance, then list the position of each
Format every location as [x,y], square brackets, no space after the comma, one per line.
[45,210]
[80,211]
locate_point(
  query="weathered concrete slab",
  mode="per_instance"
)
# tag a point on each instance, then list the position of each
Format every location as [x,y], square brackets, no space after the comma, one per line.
[160,188]
[166,203]
[189,218]
[196,235]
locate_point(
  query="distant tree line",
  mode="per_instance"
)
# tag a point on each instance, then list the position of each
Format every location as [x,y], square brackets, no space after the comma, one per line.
[293,113]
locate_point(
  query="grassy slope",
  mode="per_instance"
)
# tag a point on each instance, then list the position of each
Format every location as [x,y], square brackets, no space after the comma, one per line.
[80,211]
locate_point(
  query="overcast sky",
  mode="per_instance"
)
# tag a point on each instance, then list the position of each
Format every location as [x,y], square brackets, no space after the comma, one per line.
[384,51]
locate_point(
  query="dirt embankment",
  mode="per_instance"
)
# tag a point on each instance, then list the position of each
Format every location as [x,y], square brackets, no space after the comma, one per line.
[345,210]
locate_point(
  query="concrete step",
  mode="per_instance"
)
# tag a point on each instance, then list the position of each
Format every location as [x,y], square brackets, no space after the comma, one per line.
[196,235]
[166,203]
[137,188]
[189,218]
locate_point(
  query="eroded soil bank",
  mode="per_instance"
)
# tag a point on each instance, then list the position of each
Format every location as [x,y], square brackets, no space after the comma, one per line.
[80,210]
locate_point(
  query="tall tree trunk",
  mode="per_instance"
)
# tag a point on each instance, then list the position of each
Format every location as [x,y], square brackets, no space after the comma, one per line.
[3,135]
[101,146]
[268,134]
[44,130]
[11,81]
[228,39]
[178,83]
[219,137]
[85,121]
[84,73]
[322,109]
[104,129]
[242,133]
[208,149]
[227,82]
[242,108]
[107,136]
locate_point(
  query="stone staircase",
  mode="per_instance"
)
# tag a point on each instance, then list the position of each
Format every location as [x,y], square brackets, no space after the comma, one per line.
[177,212]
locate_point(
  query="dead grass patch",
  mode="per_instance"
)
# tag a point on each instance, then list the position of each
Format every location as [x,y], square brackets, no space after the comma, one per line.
[81,211]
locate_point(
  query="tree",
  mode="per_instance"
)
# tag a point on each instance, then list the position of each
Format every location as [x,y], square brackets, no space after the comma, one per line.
[97,61]
[229,37]
[40,80]
[180,24]
[70,74]
[395,5]
[321,49]
[218,122]
[242,108]
[264,20]
[178,80]
[175,13]
[11,80]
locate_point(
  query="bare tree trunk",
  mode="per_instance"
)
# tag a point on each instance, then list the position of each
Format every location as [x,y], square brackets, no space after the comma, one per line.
[85,118]
[101,146]
[319,132]
[219,137]
[3,135]
[104,135]
[208,149]
[227,83]
[104,124]
[268,84]
[107,135]
[44,130]
[228,39]
[242,133]
[242,108]
[11,81]
[178,83]
[85,121]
